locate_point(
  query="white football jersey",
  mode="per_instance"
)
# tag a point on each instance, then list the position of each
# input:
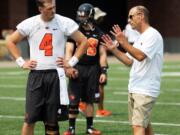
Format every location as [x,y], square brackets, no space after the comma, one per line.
[47,39]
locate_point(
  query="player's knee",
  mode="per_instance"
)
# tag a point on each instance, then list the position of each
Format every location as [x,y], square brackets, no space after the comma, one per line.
[51,129]
[73,109]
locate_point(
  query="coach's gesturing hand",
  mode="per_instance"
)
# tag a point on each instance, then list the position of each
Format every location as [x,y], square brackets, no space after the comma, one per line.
[108,42]
[119,35]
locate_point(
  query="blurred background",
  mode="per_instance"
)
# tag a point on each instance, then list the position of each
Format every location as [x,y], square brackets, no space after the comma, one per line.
[164,16]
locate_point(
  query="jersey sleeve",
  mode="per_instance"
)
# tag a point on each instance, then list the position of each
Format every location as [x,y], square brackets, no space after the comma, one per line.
[71,27]
[24,27]
[100,34]
[71,41]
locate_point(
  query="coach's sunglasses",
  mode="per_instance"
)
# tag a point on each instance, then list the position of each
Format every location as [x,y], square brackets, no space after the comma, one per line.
[131,16]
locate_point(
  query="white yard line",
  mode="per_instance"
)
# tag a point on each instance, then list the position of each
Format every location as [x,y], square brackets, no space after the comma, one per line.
[12,86]
[12,73]
[101,121]
[171,90]
[124,92]
[117,79]
[115,90]
[118,90]
[13,77]
[120,93]
[163,79]
[157,103]
[173,74]
[20,73]
[109,79]
[13,98]
[171,67]
[164,67]
[11,117]
[107,101]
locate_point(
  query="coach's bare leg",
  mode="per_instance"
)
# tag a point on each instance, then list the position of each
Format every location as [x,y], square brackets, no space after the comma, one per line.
[149,130]
[138,130]
[27,129]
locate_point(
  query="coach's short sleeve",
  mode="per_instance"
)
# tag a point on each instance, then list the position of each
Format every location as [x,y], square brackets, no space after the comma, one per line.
[149,43]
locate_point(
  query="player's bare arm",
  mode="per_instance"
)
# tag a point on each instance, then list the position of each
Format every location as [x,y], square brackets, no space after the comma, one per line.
[81,40]
[103,64]
[11,44]
[70,71]
[69,50]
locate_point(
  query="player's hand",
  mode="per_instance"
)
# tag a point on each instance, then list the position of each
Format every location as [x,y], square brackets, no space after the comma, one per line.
[108,42]
[71,72]
[66,64]
[60,62]
[102,78]
[29,64]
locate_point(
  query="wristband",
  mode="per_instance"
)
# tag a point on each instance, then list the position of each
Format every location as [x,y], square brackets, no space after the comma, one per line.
[73,61]
[20,61]
[103,70]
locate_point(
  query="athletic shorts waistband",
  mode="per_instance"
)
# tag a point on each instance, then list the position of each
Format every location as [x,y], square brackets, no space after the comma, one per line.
[44,71]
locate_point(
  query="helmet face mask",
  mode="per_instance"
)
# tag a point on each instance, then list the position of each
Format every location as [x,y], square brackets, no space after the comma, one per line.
[82,18]
[85,14]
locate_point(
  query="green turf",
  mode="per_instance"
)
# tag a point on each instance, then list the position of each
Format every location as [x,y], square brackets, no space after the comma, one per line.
[165,113]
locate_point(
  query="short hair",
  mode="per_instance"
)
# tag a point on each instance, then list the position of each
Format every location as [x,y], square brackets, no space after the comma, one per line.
[145,11]
[40,3]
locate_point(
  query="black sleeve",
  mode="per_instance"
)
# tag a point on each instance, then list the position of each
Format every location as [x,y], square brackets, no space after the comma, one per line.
[100,33]
[71,40]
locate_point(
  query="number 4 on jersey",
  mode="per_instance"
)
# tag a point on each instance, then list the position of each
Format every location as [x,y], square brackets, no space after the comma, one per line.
[46,44]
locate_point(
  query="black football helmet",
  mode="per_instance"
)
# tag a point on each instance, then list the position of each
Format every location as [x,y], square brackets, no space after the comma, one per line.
[85,13]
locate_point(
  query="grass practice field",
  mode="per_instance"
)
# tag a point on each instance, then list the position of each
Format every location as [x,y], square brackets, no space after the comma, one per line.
[165,117]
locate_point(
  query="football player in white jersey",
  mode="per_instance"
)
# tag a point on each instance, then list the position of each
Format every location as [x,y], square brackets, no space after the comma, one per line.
[146,60]
[46,34]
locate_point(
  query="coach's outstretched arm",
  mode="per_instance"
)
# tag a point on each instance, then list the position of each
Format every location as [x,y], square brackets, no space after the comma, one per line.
[111,46]
[121,38]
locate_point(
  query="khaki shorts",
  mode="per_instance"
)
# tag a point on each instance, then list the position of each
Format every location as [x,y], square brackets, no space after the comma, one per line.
[140,107]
